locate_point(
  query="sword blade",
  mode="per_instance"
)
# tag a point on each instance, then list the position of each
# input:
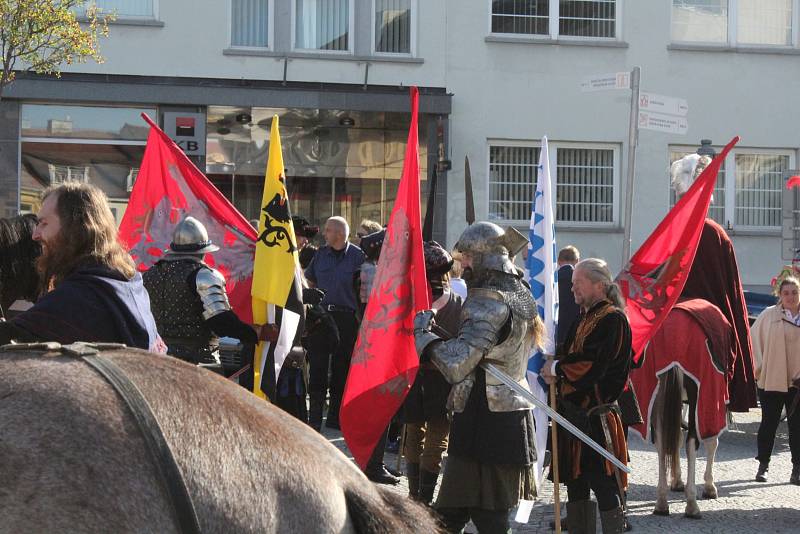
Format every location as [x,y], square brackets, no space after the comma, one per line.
[555,416]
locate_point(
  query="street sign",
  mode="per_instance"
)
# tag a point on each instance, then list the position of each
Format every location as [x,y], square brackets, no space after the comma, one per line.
[663,104]
[663,123]
[605,82]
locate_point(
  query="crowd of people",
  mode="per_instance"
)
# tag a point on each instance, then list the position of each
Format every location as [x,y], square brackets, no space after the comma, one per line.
[90,291]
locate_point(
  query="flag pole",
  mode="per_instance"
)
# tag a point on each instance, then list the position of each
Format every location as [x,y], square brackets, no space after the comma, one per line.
[554,462]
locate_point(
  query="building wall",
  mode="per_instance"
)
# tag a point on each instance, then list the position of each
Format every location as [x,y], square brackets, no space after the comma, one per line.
[194,41]
[522,91]
[516,91]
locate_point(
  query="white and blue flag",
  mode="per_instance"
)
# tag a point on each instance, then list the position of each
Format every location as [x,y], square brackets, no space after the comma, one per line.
[543,272]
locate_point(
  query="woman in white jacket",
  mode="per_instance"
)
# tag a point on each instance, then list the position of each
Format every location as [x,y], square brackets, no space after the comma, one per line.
[776,350]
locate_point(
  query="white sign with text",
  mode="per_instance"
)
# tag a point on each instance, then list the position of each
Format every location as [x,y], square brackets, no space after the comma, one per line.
[605,82]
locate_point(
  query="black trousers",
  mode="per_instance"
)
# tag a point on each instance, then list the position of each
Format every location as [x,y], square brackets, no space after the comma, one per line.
[338,359]
[486,521]
[604,487]
[772,402]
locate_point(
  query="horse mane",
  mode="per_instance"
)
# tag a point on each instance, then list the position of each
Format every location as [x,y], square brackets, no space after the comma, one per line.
[18,254]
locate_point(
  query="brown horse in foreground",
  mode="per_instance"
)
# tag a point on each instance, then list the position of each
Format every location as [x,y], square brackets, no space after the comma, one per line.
[73,459]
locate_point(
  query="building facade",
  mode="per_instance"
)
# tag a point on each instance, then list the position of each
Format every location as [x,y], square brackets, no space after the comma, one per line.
[495,76]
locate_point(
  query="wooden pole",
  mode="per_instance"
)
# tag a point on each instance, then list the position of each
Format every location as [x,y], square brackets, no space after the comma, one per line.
[554,462]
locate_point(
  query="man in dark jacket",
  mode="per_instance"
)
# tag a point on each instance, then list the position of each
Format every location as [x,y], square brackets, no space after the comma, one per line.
[567,309]
[90,288]
[425,407]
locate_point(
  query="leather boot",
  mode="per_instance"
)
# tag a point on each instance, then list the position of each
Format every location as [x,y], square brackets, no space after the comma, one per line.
[427,485]
[582,517]
[795,476]
[763,467]
[316,404]
[613,521]
[412,474]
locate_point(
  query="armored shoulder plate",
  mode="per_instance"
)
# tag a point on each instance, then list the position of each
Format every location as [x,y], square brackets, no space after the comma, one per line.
[513,291]
[211,289]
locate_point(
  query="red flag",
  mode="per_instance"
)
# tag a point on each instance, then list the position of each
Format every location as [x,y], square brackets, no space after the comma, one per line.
[654,277]
[168,188]
[385,362]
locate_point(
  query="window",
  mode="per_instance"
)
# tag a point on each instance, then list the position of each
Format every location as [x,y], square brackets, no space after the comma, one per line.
[759,188]
[586,178]
[393,26]
[745,22]
[127,8]
[323,25]
[717,209]
[98,145]
[749,190]
[250,23]
[594,19]
[585,185]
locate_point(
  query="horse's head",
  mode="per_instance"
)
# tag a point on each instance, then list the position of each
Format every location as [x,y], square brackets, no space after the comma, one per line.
[18,253]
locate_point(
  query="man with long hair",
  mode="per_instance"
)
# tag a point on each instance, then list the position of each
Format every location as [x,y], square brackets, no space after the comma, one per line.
[90,290]
[590,375]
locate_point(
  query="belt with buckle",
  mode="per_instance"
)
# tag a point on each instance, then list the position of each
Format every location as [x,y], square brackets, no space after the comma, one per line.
[335,308]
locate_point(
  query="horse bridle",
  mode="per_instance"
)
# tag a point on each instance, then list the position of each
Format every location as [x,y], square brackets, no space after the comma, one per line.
[169,471]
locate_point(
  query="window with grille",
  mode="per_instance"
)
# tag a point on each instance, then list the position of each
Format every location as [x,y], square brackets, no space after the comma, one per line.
[512,181]
[393,20]
[323,24]
[585,185]
[127,8]
[749,191]
[585,182]
[717,209]
[749,22]
[568,18]
[250,23]
[759,189]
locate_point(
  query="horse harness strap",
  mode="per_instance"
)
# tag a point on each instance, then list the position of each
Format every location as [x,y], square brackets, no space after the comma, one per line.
[170,472]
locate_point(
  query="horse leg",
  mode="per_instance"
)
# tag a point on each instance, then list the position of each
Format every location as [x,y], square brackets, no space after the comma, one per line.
[662,507]
[676,483]
[692,510]
[709,488]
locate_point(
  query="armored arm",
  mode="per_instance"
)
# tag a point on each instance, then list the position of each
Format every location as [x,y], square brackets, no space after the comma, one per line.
[211,289]
[484,315]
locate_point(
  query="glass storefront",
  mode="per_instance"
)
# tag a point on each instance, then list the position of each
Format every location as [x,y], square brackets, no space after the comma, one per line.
[98,145]
[337,162]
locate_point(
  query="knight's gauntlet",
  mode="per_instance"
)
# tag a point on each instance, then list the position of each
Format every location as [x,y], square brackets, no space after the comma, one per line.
[423,337]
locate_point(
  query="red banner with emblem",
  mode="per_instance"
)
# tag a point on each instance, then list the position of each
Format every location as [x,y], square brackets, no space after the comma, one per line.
[168,188]
[385,362]
[654,277]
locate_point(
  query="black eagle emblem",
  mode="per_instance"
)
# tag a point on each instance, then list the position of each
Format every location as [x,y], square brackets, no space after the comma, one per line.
[277,211]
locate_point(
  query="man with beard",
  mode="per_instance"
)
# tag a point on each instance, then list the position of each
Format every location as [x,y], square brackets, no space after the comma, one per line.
[591,374]
[491,452]
[90,288]
[189,301]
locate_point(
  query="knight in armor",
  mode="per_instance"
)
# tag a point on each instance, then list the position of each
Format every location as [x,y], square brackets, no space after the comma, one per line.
[491,451]
[189,301]
[425,408]
[591,372]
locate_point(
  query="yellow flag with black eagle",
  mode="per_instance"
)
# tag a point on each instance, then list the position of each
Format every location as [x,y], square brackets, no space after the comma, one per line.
[277,277]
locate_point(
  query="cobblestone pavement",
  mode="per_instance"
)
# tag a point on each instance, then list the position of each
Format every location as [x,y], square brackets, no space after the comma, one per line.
[743,504]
